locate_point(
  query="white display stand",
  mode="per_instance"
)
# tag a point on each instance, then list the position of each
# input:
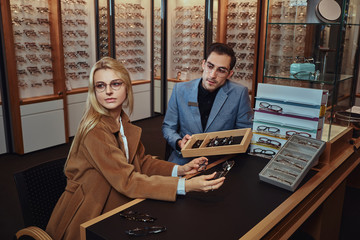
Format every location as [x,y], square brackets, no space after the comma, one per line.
[283,111]
[42,125]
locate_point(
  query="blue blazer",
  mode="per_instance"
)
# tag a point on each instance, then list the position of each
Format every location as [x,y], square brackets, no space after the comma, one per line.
[231,110]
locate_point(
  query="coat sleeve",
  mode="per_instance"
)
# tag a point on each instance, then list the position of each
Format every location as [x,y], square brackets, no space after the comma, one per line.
[102,150]
[245,114]
[171,121]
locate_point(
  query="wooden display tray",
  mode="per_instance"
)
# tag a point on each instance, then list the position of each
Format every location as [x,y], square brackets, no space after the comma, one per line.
[241,147]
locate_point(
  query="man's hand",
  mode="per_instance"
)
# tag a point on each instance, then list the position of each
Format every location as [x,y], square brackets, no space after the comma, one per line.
[181,143]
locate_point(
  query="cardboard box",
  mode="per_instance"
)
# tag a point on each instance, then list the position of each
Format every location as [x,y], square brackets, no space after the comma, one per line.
[241,141]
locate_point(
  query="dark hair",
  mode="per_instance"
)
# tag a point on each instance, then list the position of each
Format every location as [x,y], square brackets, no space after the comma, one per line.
[222,49]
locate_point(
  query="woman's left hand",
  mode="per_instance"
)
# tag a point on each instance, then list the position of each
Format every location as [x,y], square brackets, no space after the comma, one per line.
[196,165]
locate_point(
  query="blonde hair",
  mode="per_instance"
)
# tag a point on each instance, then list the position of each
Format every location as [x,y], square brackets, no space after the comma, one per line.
[94,110]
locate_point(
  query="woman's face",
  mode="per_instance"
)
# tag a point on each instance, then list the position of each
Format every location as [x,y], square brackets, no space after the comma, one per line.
[110,90]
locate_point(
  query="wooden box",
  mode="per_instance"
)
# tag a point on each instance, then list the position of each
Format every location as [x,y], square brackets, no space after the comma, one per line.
[240,141]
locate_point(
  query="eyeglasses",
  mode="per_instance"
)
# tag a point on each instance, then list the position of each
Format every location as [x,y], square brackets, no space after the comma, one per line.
[135,216]
[289,163]
[296,157]
[197,143]
[226,168]
[268,129]
[144,231]
[270,107]
[220,71]
[290,133]
[114,84]
[263,151]
[307,143]
[269,141]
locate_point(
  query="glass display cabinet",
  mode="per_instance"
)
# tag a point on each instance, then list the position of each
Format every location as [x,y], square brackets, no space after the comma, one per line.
[241,35]
[309,45]
[49,47]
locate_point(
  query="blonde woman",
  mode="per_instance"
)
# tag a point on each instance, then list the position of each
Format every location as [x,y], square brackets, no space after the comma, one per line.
[107,165]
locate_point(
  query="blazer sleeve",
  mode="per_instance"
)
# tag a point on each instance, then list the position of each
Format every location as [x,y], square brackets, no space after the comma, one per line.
[102,149]
[245,113]
[171,121]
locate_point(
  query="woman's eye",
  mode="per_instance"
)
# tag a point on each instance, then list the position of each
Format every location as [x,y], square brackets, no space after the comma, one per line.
[117,84]
[100,85]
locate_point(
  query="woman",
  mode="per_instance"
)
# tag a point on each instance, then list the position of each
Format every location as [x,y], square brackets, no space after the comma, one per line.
[107,165]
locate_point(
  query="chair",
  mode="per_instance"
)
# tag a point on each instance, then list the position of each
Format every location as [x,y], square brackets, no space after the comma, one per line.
[39,189]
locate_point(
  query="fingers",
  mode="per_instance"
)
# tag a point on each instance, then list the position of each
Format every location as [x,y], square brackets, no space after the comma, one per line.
[215,184]
[187,137]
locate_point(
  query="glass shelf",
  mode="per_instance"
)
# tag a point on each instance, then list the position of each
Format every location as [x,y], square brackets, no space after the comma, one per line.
[342,77]
[325,50]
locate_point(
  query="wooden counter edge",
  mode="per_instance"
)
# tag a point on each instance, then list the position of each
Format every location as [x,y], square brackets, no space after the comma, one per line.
[271,220]
[106,215]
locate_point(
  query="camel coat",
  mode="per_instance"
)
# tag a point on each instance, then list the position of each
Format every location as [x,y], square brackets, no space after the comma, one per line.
[99,177]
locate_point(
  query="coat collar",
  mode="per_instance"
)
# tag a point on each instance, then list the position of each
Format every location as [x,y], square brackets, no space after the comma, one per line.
[132,132]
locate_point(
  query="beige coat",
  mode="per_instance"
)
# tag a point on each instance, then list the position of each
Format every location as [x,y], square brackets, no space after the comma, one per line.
[99,178]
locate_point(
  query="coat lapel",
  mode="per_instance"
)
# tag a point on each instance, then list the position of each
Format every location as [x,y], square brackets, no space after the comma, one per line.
[133,135]
[218,103]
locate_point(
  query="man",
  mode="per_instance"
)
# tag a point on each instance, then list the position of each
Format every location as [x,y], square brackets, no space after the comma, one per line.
[208,104]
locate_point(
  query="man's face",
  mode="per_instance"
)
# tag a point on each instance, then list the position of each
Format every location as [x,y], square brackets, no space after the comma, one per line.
[216,69]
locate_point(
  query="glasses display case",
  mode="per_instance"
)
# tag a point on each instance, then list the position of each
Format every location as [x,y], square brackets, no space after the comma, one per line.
[31,30]
[305,46]
[78,40]
[49,48]
[132,37]
[186,20]
[241,35]
[103,39]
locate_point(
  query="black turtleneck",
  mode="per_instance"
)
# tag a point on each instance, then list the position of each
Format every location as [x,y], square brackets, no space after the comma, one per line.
[205,100]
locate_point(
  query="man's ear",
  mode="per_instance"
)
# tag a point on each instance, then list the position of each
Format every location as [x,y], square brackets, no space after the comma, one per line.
[203,64]
[230,74]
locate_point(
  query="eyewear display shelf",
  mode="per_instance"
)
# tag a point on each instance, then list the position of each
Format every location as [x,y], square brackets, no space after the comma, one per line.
[50,47]
[305,49]
[315,207]
[233,22]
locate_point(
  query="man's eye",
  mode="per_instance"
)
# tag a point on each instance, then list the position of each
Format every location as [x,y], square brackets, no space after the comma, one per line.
[210,66]
[222,70]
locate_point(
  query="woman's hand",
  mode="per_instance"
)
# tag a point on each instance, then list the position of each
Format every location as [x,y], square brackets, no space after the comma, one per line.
[203,183]
[192,167]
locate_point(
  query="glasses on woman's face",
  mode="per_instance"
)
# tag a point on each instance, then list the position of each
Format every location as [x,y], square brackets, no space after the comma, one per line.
[220,71]
[114,84]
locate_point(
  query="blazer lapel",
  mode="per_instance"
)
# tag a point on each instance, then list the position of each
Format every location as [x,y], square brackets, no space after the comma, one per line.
[218,103]
[193,98]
